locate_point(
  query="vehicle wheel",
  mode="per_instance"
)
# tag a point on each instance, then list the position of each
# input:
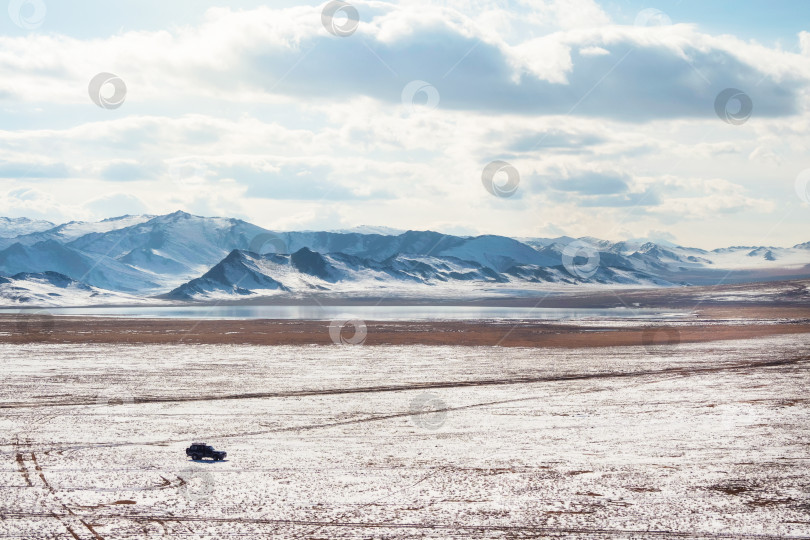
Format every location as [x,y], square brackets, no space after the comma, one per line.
[195,457]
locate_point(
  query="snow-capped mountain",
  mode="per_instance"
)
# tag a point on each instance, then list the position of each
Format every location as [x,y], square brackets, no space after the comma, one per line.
[11,227]
[69,231]
[371,229]
[246,273]
[692,266]
[50,289]
[145,254]
[52,256]
[169,247]
[186,256]
[243,273]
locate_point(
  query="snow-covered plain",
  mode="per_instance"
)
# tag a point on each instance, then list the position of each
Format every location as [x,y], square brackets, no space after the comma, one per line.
[693,440]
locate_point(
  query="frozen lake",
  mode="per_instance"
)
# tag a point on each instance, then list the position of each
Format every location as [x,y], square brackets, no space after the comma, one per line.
[689,441]
[369,313]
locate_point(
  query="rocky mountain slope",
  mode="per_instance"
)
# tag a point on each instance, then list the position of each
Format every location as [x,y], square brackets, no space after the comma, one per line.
[181,256]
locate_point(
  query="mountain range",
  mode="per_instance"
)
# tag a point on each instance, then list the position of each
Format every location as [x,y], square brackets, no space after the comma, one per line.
[183,257]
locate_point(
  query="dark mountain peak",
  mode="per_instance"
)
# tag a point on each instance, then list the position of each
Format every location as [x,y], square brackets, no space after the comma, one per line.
[310,262]
[231,275]
[766,253]
[234,264]
[236,256]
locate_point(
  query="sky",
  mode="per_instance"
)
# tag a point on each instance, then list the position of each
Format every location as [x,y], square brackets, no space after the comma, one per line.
[682,121]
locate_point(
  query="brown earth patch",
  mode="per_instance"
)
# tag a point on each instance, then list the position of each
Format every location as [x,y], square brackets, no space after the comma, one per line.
[300,332]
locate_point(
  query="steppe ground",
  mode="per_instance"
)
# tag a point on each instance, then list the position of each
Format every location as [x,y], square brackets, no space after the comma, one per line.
[670,435]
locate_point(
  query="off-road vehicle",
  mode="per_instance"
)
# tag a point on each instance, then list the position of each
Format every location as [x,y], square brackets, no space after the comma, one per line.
[198,451]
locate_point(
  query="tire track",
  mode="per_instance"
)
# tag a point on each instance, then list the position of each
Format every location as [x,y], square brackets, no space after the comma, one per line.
[663,373]
[465,530]
[23,469]
[436,385]
[66,514]
[20,458]
[40,473]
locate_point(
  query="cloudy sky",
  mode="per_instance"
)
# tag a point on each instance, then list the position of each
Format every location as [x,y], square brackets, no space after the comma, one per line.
[606,119]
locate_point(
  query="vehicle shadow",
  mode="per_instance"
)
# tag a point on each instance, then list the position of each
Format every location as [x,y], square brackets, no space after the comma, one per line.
[208,461]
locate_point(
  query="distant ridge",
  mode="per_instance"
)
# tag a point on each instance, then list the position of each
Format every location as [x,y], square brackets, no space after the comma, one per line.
[183,256]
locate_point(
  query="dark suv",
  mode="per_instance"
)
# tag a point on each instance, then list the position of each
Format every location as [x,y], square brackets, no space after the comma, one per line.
[198,451]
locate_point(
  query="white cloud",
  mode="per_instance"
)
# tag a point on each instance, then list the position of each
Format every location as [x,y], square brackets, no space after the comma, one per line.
[804,42]
[262,114]
[236,54]
[593,51]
